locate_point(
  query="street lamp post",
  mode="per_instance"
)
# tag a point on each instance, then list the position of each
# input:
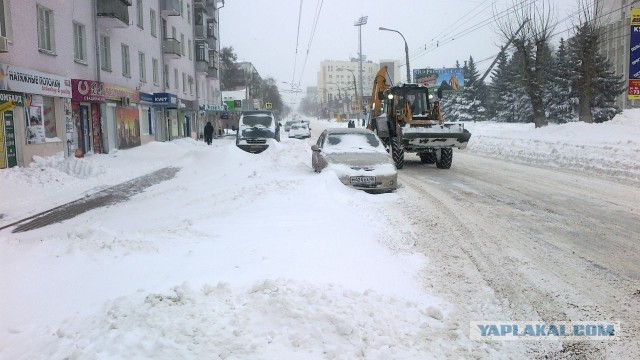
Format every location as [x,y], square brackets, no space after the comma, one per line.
[406,51]
[339,97]
[355,88]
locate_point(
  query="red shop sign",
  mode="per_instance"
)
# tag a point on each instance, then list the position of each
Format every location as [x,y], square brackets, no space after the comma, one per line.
[87,91]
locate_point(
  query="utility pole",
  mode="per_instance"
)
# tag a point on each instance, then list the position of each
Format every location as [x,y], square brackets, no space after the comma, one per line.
[361,21]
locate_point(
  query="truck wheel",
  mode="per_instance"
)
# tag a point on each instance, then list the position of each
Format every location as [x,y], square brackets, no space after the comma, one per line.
[427,157]
[397,152]
[446,158]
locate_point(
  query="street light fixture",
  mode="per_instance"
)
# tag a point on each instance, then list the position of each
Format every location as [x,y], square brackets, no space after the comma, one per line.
[406,50]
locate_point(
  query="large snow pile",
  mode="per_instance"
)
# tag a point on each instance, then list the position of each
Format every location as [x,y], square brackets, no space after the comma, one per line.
[611,148]
[240,256]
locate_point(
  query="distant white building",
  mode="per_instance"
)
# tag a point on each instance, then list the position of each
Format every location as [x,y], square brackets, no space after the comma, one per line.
[338,82]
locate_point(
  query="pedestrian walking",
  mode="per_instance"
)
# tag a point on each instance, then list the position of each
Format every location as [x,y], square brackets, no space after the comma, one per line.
[208,133]
[351,124]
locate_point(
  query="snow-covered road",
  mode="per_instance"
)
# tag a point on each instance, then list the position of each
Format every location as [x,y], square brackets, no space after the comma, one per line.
[530,243]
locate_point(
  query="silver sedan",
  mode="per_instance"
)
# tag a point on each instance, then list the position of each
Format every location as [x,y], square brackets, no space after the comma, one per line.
[358,157]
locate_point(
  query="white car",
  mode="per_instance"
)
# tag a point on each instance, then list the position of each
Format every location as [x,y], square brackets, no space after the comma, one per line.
[299,130]
[358,157]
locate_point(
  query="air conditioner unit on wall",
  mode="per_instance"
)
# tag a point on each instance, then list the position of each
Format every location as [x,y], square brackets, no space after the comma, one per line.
[4,44]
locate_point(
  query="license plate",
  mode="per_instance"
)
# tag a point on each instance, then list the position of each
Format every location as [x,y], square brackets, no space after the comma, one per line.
[363,180]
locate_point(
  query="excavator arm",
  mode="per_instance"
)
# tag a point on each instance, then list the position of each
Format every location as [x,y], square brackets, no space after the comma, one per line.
[379,86]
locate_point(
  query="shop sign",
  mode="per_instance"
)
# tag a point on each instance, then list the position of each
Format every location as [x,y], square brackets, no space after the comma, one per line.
[8,157]
[87,91]
[6,96]
[165,100]
[113,92]
[213,108]
[186,104]
[146,98]
[33,82]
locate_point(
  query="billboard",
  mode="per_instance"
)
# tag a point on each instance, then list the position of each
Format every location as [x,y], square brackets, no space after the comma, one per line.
[634,56]
[447,79]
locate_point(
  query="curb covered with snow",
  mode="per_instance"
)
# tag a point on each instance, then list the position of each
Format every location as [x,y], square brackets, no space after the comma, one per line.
[611,148]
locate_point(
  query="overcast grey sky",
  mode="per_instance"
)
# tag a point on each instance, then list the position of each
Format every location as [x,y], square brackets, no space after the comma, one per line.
[265,33]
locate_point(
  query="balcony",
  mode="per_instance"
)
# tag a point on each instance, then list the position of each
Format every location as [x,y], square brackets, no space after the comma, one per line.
[113,13]
[200,32]
[212,71]
[202,57]
[171,48]
[170,7]
[201,4]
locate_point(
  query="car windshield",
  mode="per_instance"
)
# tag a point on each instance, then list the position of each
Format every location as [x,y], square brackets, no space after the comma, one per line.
[353,142]
[256,120]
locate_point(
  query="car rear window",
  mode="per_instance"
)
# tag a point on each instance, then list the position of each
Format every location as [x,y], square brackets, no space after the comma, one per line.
[255,120]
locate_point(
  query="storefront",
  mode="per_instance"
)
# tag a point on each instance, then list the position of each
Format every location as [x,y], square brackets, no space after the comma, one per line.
[87,95]
[166,105]
[40,125]
[10,104]
[214,114]
[187,110]
[122,128]
[148,117]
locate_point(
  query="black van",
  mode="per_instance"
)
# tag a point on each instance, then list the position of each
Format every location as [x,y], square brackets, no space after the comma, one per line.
[255,128]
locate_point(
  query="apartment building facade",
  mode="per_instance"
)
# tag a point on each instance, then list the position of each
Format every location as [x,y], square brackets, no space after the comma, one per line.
[615,17]
[93,76]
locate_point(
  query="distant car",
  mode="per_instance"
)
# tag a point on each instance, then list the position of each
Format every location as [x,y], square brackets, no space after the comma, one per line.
[358,157]
[255,129]
[299,131]
[287,125]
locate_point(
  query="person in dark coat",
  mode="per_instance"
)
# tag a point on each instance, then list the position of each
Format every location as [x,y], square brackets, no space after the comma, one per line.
[351,124]
[208,133]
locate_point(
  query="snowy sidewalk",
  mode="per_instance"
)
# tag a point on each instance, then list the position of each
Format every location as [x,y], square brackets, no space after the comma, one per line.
[110,196]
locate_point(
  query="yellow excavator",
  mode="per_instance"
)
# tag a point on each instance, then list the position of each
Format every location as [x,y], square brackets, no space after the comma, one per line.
[407,118]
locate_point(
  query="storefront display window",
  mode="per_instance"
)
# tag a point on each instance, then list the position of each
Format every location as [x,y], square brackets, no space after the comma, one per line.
[40,119]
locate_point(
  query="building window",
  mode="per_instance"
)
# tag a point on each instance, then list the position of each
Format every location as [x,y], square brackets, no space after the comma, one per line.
[142,67]
[190,49]
[139,17]
[79,43]
[165,76]
[190,85]
[182,44]
[153,22]
[105,53]
[176,80]
[184,83]
[4,28]
[126,61]
[181,8]
[154,68]
[189,13]
[45,30]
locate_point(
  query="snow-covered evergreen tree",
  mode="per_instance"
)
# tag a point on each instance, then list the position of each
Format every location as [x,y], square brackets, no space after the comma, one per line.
[560,96]
[509,98]
[607,86]
[468,105]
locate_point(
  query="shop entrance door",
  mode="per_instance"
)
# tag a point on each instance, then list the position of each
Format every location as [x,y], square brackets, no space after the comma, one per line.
[84,141]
